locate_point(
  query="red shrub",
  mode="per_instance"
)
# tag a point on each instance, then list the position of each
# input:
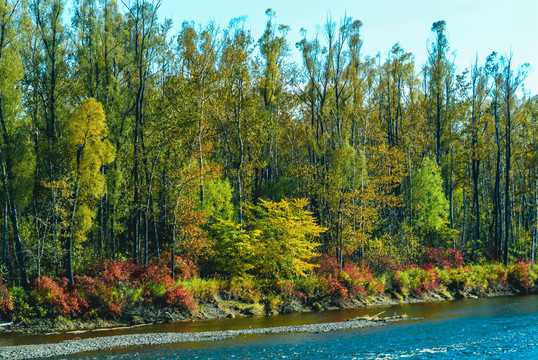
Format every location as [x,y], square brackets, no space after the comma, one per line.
[501,275]
[97,295]
[328,266]
[335,287]
[117,271]
[360,280]
[155,273]
[184,267]
[6,300]
[179,297]
[53,298]
[518,275]
[429,282]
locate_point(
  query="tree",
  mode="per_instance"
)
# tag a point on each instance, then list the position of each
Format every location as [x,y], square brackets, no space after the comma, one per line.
[145,37]
[237,125]
[278,240]
[510,84]
[10,115]
[199,56]
[478,98]
[89,150]
[429,206]
[437,69]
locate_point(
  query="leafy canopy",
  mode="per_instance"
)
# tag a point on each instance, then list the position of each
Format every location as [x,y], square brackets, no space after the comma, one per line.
[278,240]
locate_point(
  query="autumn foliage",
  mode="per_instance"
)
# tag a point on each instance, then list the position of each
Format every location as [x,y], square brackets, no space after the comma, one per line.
[116,285]
[139,170]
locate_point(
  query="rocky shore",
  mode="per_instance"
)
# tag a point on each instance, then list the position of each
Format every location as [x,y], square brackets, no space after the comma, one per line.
[219,308]
[70,347]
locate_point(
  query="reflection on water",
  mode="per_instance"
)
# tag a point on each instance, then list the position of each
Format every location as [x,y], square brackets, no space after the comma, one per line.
[504,327]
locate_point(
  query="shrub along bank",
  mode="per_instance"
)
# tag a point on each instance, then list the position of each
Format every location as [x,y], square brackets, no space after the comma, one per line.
[121,290]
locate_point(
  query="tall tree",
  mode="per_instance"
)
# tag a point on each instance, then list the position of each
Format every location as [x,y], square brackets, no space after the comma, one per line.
[89,150]
[510,84]
[10,98]
[437,70]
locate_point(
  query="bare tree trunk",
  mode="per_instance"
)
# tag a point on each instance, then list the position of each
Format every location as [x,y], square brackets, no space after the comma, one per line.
[4,248]
[535,230]
[8,175]
[507,208]
[497,188]
[7,172]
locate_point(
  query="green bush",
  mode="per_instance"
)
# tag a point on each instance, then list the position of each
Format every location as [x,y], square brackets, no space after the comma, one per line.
[311,286]
[416,281]
[203,290]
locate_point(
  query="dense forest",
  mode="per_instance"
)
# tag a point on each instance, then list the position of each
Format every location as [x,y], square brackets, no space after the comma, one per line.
[122,140]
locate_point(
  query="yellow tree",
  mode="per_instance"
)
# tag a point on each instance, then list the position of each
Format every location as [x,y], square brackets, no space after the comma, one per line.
[277,239]
[286,239]
[88,150]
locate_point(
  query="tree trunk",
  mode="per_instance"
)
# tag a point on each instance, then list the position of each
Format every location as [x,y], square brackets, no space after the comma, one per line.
[497,188]
[507,208]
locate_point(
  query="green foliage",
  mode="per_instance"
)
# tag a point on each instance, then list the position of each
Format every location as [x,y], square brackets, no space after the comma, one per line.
[286,237]
[277,190]
[350,168]
[312,286]
[427,202]
[233,247]
[203,290]
[89,150]
[276,240]
[218,199]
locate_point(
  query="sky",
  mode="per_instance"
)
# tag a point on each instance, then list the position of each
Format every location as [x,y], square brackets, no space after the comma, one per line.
[474,27]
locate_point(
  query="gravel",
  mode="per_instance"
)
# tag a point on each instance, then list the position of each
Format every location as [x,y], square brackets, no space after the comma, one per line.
[103,343]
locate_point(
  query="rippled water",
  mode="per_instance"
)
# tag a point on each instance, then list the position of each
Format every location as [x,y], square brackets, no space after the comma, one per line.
[498,328]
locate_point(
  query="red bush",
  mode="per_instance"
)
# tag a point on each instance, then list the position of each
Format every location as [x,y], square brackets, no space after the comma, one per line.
[52,296]
[361,280]
[335,287]
[179,297]
[6,300]
[184,267]
[97,295]
[429,282]
[117,271]
[518,275]
[286,289]
[155,273]
[328,266]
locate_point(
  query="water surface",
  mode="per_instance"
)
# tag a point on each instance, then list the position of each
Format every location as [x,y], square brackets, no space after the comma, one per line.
[501,328]
[498,328]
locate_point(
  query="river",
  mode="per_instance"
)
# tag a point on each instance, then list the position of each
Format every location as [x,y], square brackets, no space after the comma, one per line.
[500,328]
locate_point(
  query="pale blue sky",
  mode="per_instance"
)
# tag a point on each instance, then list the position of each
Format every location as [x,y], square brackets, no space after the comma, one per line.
[473,26]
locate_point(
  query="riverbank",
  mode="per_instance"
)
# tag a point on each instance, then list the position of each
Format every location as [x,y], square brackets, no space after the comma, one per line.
[103,343]
[57,345]
[141,316]
[145,299]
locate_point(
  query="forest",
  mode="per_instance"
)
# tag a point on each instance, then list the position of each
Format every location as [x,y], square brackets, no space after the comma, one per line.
[122,141]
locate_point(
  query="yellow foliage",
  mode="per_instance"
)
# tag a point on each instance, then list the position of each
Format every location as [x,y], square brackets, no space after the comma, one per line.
[89,150]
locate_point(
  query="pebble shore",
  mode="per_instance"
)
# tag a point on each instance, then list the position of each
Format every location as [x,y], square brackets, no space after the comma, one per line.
[70,347]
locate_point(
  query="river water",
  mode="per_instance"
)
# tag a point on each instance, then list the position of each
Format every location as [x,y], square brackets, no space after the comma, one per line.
[497,328]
